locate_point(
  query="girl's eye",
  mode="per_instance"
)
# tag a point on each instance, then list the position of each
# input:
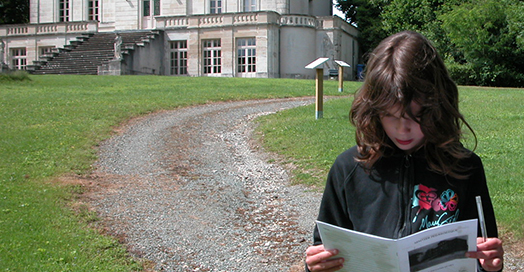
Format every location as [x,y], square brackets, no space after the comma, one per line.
[390,117]
[387,114]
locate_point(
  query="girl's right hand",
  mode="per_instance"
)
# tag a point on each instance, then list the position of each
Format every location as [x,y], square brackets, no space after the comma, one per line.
[317,259]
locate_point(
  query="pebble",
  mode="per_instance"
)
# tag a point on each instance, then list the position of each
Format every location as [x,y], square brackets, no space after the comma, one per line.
[187,190]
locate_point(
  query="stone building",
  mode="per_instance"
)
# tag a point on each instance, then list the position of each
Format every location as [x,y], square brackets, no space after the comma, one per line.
[232,38]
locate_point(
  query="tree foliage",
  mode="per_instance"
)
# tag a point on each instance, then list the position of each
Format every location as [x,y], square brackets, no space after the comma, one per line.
[482,41]
[14,11]
[489,35]
[366,15]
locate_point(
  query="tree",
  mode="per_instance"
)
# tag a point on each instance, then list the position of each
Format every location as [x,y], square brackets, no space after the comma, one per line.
[421,16]
[481,41]
[409,15]
[349,8]
[365,14]
[14,11]
[490,36]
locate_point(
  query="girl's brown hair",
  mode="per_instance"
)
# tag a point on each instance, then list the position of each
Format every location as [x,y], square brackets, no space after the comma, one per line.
[405,68]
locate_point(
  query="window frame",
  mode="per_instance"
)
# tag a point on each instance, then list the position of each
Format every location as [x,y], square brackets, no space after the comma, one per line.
[93,10]
[146,8]
[18,58]
[246,55]
[63,10]
[45,50]
[150,8]
[215,6]
[211,57]
[178,57]
[250,5]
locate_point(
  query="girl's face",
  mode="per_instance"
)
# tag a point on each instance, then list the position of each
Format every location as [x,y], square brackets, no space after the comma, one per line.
[402,130]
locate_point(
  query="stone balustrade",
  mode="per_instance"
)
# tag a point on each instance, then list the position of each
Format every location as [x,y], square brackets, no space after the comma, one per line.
[228,19]
[47,28]
[173,22]
[51,28]
[245,18]
[299,20]
[212,20]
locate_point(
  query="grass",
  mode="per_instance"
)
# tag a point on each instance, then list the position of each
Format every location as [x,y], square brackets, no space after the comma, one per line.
[496,115]
[309,144]
[18,75]
[50,126]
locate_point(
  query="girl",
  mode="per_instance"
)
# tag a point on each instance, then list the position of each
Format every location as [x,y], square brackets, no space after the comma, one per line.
[409,170]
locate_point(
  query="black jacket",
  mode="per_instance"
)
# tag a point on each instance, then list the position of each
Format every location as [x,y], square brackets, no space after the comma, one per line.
[401,196]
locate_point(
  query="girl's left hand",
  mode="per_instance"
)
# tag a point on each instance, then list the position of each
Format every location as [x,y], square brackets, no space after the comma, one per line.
[489,253]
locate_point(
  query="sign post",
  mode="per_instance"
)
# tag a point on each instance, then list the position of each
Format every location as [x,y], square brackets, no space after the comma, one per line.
[319,97]
[318,64]
[341,66]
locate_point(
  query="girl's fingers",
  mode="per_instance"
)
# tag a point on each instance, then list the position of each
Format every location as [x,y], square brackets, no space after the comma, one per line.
[313,250]
[492,264]
[327,266]
[491,243]
[317,259]
[318,255]
[489,253]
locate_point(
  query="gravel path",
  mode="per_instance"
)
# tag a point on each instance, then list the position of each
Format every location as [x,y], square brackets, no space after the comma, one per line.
[189,190]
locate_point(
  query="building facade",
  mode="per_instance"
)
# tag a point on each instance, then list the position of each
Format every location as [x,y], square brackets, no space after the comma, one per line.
[232,38]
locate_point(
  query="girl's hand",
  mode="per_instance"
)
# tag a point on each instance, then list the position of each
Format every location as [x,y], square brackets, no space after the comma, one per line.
[317,259]
[489,253]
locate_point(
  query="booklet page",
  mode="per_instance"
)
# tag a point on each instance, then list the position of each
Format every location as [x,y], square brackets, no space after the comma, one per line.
[440,248]
[361,251]
[436,249]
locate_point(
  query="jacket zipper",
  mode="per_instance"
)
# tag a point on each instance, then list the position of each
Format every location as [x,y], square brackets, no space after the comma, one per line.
[406,195]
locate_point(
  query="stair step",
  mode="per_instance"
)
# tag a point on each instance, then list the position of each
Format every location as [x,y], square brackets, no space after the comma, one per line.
[88,52]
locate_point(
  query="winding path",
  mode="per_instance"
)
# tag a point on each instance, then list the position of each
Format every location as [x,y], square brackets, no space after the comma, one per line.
[189,190]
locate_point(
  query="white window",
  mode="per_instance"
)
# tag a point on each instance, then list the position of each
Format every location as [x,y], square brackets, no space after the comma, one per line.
[156,8]
[147,7]
[45,50]
[212,57]
[178,57]
[18,58]
[63,11]
[246,55]
[215,6]
[93,10]
[250,5]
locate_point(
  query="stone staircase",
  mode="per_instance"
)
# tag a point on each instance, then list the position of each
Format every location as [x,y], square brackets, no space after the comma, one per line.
[88,52]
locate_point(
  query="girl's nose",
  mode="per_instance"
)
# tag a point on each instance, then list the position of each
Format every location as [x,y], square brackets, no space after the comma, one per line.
[404,125]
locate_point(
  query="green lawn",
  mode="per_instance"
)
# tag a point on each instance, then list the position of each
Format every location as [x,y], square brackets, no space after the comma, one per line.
[496,115]
[50,126]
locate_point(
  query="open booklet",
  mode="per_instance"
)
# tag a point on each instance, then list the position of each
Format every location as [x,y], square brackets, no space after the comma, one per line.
[439,248]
